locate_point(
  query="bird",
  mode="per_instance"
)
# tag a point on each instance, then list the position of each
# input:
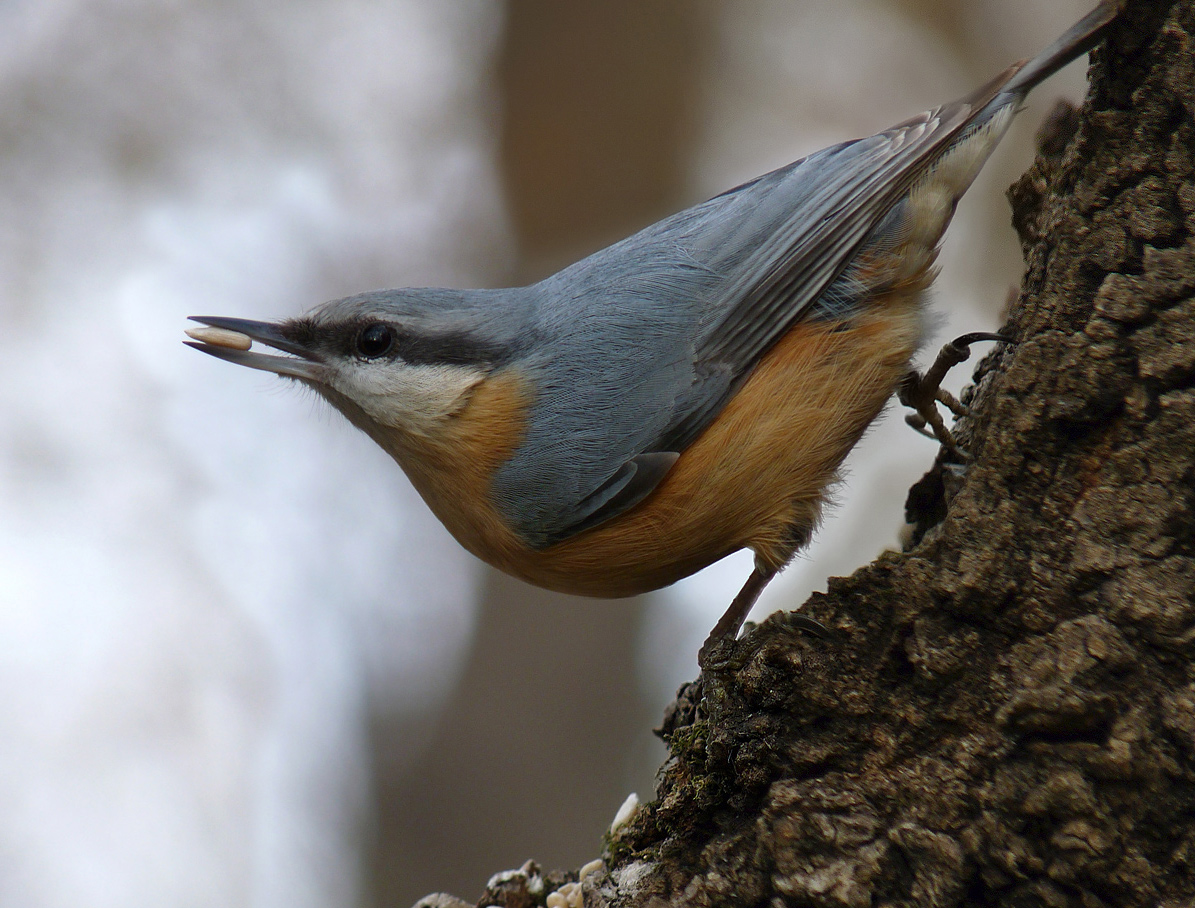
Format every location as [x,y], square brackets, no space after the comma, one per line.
[685,393]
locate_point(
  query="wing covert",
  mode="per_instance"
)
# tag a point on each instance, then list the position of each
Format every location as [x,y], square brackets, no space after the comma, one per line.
[652,335]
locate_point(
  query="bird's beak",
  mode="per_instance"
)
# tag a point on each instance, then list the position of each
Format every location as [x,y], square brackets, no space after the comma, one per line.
[232,338]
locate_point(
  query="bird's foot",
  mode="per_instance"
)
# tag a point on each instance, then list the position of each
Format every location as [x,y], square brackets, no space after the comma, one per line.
[808,625]
[718,651]
[922,392]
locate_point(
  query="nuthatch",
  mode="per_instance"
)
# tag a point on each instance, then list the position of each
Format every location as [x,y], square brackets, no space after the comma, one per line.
[685,393]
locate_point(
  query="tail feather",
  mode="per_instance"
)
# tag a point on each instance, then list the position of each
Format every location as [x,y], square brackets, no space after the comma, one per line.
[1077,40]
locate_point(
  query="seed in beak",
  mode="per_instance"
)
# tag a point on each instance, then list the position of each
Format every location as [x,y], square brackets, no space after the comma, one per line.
[220,337]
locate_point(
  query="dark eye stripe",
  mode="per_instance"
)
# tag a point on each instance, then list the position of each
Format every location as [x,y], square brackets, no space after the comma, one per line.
[447,349]
[450,348]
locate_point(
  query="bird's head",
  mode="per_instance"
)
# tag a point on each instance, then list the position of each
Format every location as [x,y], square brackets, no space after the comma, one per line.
[405,360]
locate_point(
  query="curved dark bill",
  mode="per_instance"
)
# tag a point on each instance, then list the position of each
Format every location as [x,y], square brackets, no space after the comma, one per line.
[307,366]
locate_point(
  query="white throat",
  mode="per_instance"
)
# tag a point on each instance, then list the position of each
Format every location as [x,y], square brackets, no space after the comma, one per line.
[413,398]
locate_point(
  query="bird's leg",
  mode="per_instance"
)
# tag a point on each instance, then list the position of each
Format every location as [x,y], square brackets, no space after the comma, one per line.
[923,391]
[728,625]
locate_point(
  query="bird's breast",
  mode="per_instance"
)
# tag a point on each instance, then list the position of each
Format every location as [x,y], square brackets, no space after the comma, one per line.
[756,477]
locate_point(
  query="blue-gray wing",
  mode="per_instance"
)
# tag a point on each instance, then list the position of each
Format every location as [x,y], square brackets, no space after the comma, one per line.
[645,341]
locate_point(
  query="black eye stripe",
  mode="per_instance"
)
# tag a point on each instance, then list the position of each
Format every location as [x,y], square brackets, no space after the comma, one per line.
[447,349]
[374,340]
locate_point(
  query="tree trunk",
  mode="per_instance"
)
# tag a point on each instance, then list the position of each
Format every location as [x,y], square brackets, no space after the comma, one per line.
[1004,714]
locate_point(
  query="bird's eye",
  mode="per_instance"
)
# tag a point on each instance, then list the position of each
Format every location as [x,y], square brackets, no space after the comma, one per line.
[375,340]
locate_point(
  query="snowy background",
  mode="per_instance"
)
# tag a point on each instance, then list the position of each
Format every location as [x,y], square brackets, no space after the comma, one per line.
[240,663]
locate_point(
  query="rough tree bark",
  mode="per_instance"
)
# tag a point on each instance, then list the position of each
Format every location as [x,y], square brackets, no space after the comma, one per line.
[1005,714]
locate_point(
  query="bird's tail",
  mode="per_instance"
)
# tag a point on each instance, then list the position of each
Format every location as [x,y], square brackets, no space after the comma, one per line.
[1076,40]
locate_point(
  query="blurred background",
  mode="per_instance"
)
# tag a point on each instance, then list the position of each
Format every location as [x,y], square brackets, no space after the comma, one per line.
[240,663]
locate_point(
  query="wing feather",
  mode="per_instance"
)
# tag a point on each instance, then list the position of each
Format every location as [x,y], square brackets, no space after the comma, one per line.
[663,327]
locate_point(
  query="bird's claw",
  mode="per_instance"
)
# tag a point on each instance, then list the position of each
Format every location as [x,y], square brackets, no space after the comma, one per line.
[808,625]
[923,391]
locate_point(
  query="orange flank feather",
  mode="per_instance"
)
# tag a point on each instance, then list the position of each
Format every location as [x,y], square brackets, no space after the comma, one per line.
[755,478]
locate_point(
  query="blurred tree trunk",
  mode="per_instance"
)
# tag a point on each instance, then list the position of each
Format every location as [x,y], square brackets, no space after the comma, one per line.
[1005,714]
